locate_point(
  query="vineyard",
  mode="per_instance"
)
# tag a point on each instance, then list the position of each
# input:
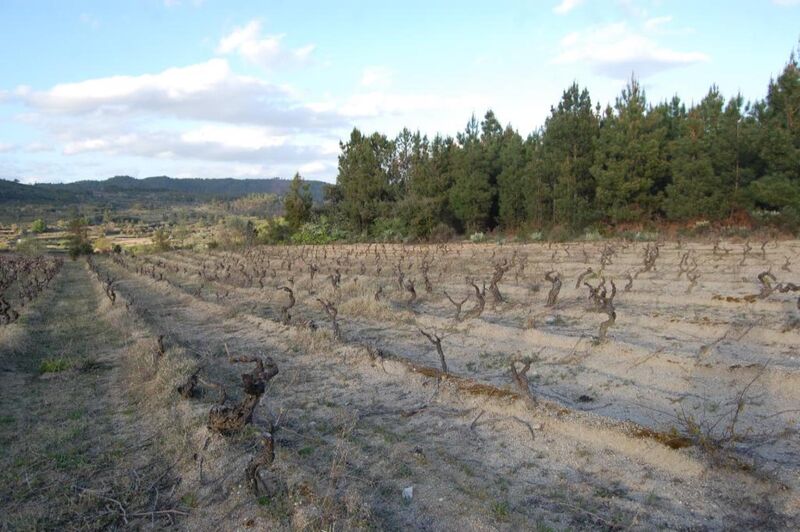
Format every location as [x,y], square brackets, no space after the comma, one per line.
[582,385]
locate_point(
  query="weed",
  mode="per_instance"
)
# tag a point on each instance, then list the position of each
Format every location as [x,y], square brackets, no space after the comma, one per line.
[54,365]
[500,510]
[306,451]
[189,499]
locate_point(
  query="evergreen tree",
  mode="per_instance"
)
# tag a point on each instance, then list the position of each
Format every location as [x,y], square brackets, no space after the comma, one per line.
[512,181]
[491,144]
[539,191]
[630,158]
[738,159]
[566,158]
[696,188]
[297,203]
[425,203]
[471,194]
[364,178]
[779,189]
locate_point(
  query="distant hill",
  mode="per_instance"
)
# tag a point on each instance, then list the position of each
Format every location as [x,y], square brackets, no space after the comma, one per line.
[124,190]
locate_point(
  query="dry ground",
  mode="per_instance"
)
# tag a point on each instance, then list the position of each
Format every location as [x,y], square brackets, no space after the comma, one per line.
[685,417]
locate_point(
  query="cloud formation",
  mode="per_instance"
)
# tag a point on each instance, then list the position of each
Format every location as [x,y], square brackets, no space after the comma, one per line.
[565,6]
[616,51]
[266,51]
[206,91]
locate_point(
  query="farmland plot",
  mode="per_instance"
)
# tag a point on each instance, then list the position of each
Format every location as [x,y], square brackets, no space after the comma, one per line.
[580,385]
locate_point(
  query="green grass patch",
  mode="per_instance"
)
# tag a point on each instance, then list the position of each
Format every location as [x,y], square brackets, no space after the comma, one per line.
[67,460]
[500,510]
[306,451]
[54,365]
[190,500]
[76,414]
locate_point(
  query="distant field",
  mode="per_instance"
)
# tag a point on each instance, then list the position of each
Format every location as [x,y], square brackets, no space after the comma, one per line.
[585,385]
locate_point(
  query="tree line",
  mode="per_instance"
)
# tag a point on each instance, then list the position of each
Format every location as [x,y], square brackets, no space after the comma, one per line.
[632,162]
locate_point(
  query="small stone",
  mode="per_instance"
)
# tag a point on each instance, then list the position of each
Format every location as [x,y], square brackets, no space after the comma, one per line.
[408,493]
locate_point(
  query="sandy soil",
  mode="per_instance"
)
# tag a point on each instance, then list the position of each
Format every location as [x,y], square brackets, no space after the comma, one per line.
[685,416]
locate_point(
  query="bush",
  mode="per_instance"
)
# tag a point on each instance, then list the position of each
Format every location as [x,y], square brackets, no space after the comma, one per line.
[161,240]
[442,233]
[29,246]
[389,229]
[77,248]
[592,235]
[274,231]
[560,233]
[38,226]
[320,232]
[54,365]
[477,237]
[102,245]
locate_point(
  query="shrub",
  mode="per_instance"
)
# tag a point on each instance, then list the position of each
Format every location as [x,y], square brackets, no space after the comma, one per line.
[102,245]
[161,240]
[54,365]
[442,233]
[389,229]
[560,233]
[274,231]
[477,237]
[592,235]
[38,226]
[29,246]
[77,248]
[320,232]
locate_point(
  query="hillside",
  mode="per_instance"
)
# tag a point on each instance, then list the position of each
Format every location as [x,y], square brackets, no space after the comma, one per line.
[124,189]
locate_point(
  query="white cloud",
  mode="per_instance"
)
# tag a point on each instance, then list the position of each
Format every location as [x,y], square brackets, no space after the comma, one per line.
[244,138]
[168,119]
[616,51]
[786,3]
[565,6]
[38,147]
[206,91]
[380,103]
[376,76]
[653,24]
[265,51]
[6,147]
[316,167]
[233,144]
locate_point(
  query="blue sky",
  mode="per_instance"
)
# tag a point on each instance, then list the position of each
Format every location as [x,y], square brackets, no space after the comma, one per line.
[207,88]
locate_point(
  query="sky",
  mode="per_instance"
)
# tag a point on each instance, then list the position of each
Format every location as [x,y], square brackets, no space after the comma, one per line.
[208,88]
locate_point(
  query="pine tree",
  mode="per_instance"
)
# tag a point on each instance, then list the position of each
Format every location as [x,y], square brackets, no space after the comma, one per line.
[364,178]
[297,203]
[630,157]
[471,194]
[696,188]
[566,158]
[779,189]
[512,181]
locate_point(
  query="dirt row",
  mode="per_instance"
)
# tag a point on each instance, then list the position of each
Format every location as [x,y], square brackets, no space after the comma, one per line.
[364,430]
[670,363]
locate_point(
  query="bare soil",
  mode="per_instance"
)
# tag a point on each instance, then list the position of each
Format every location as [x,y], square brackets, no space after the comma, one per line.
[684,417]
